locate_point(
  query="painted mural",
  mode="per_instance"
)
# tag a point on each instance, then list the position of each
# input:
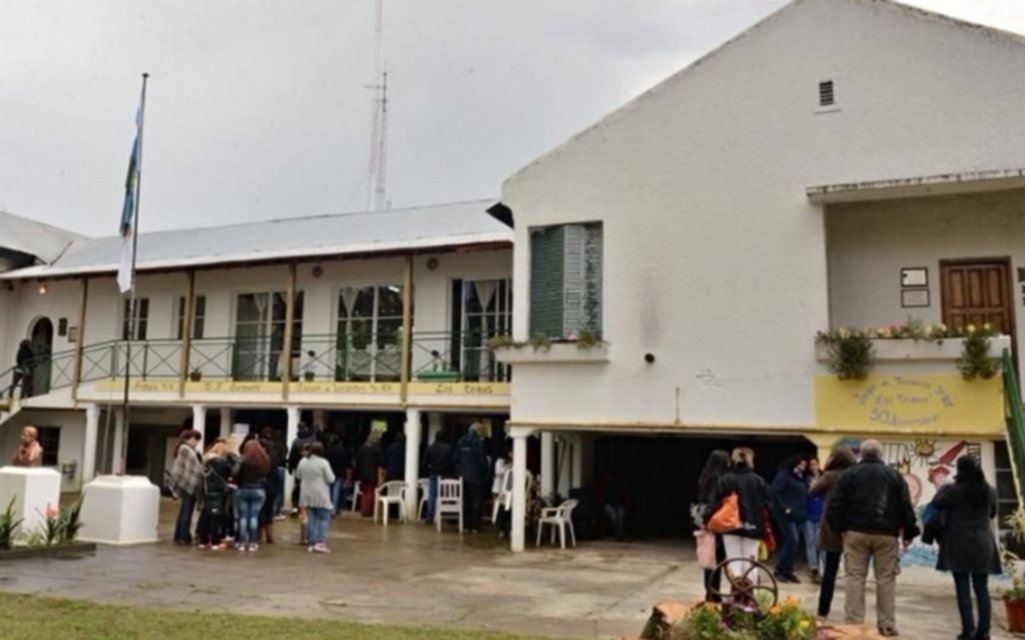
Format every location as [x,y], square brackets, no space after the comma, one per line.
[926,465]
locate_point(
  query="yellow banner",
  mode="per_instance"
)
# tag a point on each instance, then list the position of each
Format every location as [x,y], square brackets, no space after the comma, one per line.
[346,388]
[459,388]
[910,404]
[142,386]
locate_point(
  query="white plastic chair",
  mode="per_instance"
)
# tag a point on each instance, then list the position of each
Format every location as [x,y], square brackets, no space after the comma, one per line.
[390,494]
[354,496]
[558,517]
[505,496]
[424,486]
[449,502]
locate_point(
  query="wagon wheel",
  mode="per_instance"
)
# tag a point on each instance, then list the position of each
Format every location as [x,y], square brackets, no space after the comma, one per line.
[743,588]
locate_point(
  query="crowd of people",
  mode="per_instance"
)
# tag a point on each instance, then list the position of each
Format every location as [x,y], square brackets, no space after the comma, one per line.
[858,510]
[238,490]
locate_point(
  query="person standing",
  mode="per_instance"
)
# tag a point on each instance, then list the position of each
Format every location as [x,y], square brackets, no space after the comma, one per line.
[810,528]
[472,467]
[315,474]
[22,374]
[275,487]
[395,459]
[340,459]
[217,473]
[967,547]
[252,476]
[790,494]
[369,463]
[754,499]
[304,437]
[871,507]
[830,542]
[439,465]
[716,466]
[186,481]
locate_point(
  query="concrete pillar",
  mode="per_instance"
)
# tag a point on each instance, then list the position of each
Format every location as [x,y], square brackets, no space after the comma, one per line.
[577,478]
[434,424]
[117,467]
[547,464]
[92,432]
[564,465]
[412,461]
[199,423]
[320,418]
[291,433]
[226,420]
[519,496]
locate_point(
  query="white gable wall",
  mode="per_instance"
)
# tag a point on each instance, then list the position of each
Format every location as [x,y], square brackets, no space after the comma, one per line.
[714,260]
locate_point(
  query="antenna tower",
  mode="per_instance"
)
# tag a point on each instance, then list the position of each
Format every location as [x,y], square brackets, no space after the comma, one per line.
[376,191]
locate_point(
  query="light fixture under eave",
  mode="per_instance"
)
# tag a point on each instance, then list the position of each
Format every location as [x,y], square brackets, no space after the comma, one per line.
[43,289]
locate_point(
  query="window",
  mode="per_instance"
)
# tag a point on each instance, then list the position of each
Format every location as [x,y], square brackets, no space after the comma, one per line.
[566,280]
[1007,495]
[50,440]
[827,94]
[260,336]
[482,309]
[369,333]
[198,317]
[141,320]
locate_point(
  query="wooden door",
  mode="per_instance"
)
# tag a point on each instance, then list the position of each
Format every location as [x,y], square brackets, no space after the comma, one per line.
[977,292]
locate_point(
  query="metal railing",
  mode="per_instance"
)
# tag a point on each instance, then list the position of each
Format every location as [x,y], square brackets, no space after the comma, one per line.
[456,356]
[352,357]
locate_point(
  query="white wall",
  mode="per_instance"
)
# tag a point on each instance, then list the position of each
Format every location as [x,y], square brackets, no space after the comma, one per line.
[714,260]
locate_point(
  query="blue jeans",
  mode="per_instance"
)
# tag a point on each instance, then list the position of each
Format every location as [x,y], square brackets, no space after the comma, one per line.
[832,563]
[791,531]
[432,498]
[316,525]
[183,526]
[810,530]
[277,476]
[964,583]
[337,495]
[249,501]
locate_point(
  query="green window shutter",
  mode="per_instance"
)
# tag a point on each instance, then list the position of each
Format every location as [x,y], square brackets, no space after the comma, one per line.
[547,268]
[592,261]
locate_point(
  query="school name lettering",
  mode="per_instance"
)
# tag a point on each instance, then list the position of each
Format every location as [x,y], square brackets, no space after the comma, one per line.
[905,402]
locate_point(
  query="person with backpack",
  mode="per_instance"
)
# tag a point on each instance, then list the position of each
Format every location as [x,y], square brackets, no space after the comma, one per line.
[749,494]
[472,467]
[218,468]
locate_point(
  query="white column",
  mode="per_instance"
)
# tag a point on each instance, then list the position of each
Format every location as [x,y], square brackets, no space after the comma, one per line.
[226,418]
[547,464]
[412,461]
[519,497]
[291,433]
[92,430]
[199,423]
[434,423]
[564,464]
[118,467]
[320,418]
[577,478]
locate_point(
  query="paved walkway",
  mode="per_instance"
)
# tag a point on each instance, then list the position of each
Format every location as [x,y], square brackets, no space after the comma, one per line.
[410,574]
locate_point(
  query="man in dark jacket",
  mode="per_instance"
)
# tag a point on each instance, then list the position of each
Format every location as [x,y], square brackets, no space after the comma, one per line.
[472,467]
[295,456]
[369,464]
[395,459]
[340,459]
[438,460]
[790,494]
[871,506]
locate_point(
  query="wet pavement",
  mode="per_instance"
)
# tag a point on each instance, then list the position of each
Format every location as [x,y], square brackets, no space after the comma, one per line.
[411,574]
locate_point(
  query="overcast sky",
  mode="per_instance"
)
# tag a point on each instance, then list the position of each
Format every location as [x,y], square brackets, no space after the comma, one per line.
[257,108]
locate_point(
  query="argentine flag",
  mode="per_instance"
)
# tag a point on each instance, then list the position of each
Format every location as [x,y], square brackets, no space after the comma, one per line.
[126,270]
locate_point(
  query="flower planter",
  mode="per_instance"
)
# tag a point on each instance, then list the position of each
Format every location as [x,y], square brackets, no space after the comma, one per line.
[66,551]
[907,350]
[1015,615]
[555,353]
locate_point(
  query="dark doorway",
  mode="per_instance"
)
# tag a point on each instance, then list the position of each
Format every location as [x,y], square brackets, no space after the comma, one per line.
[42,348]
[660,474]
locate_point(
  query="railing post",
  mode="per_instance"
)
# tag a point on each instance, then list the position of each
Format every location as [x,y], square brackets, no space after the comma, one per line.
[186,340]
[286,349]
[407,328]
[145,358]
[76,373]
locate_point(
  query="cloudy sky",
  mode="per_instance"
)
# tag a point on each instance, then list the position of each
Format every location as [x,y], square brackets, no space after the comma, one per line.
[257,108]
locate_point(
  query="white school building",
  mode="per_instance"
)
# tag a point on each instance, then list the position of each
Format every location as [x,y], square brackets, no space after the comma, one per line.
[843,163]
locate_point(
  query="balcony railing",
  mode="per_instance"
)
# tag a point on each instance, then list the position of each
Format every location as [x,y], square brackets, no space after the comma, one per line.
[434,356]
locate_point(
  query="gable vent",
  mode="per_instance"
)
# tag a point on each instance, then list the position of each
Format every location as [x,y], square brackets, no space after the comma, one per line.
[827,95]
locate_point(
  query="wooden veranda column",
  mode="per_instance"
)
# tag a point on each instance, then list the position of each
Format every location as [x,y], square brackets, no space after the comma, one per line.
[186,344]
[286,348]
[407,328]
[76,374]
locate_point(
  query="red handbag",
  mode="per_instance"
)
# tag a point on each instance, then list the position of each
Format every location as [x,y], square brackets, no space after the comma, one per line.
[769,538]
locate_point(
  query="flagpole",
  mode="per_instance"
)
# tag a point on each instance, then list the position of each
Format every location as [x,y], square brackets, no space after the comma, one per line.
[122,456]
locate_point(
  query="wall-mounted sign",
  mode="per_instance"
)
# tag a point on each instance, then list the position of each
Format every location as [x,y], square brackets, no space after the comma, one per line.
[914,277]
[914,298]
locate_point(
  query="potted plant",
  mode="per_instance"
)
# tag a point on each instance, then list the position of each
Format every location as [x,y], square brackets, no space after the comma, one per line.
[1014,598]
[195,375]
[360,335]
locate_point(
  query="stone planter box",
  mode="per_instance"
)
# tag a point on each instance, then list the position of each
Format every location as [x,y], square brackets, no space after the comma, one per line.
[556,353]
[921,351]
[66,551]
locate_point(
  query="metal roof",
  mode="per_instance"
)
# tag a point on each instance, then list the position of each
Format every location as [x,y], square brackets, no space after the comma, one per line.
[418,228]
[34,238]
[918,186]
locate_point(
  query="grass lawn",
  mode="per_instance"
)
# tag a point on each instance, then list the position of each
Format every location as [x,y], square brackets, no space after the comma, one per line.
[38,618]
